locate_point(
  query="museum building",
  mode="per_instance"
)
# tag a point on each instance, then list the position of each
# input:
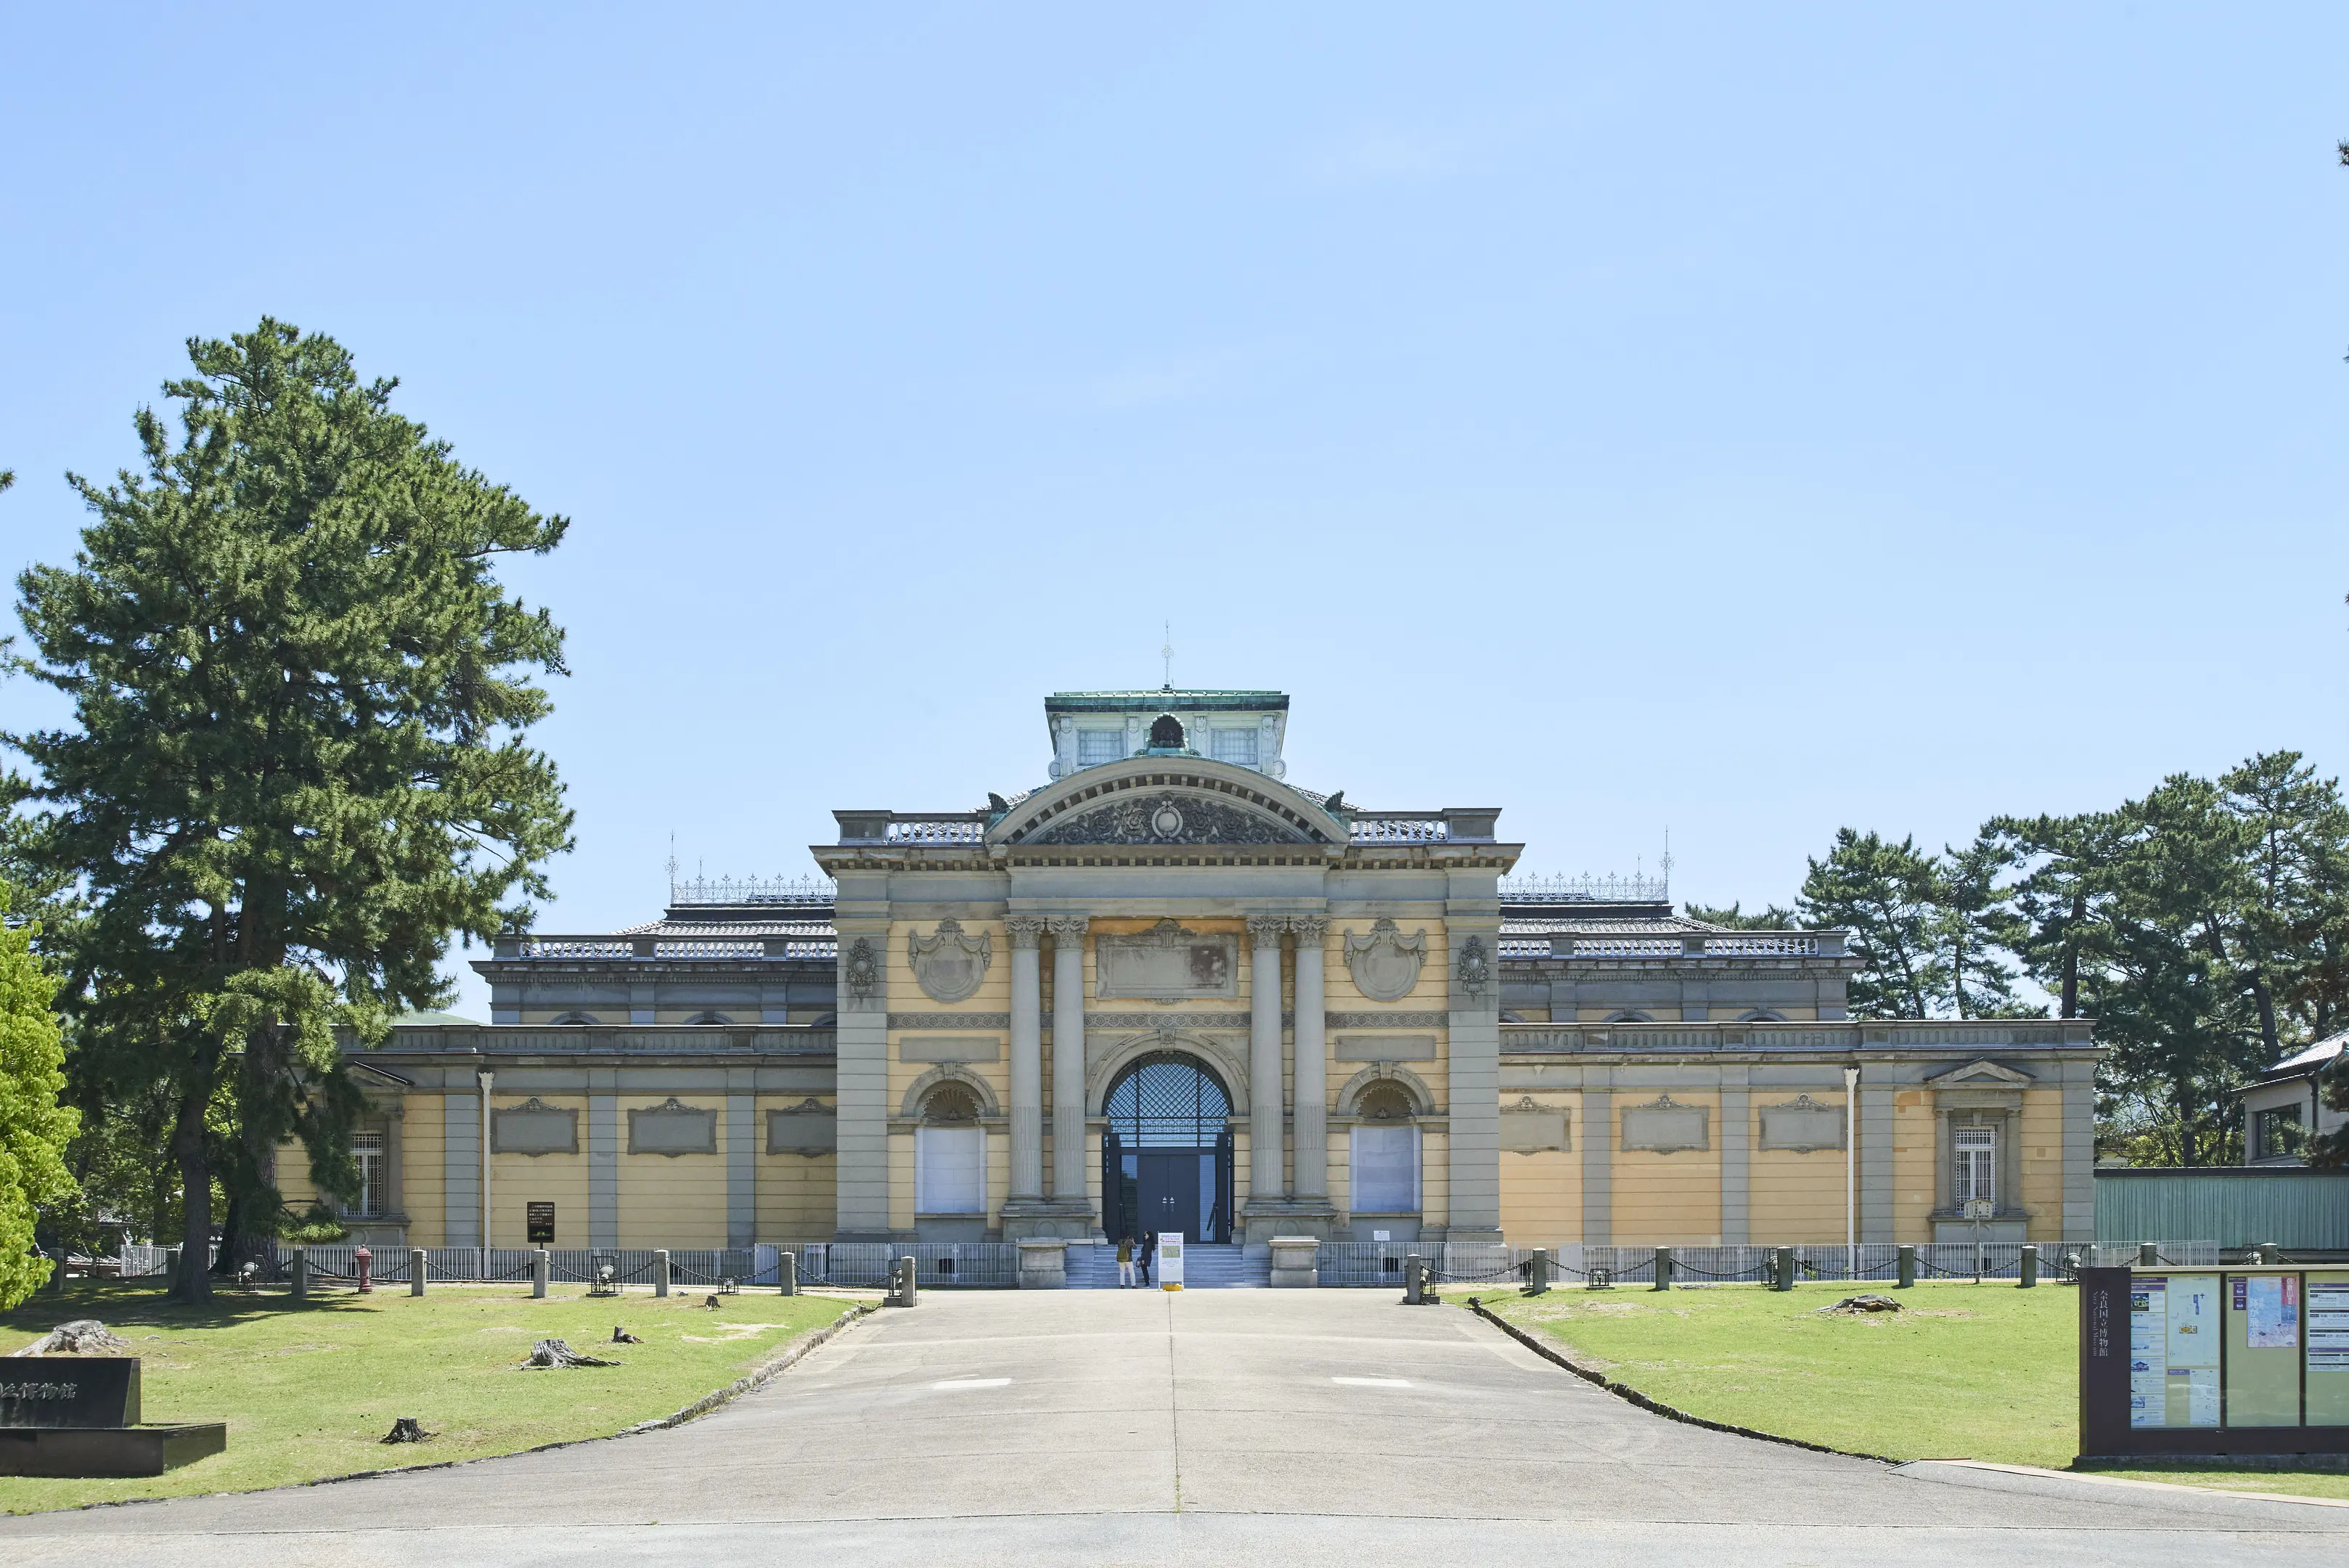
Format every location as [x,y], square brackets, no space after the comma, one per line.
[1168,990]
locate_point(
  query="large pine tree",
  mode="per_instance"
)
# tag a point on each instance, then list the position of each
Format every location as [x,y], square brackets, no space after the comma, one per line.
[297,761]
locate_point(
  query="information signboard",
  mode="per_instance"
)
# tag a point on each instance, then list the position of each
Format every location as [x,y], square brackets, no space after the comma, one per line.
[2249,1360]
[539,1219]
[1170,1260]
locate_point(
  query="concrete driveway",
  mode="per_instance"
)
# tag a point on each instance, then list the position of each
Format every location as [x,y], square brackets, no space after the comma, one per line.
[1291,1427]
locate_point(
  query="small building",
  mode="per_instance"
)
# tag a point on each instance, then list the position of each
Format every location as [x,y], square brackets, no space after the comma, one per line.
[1169,989]
[2286,1106]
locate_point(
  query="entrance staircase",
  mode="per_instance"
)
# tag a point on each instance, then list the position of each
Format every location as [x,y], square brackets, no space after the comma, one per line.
[1204,1267]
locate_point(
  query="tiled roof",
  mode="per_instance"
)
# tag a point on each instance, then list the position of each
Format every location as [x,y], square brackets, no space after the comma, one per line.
[668,928]
[2324,1050]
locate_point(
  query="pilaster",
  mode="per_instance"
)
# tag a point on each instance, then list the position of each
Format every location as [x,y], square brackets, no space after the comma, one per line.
[1473,1090]
[1736,1134]
[862,1080]
[1026,1058]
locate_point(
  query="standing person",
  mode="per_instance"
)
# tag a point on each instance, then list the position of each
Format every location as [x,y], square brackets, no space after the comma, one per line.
[1125,1262]
[1149,1252]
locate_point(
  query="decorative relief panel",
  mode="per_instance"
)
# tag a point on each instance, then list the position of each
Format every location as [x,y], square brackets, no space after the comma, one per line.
[1475,970]
[1128,1023]
[1385,963]
[1802,1125]
[1167,963]
[809,1127]
[1527,1128]
[673,1130]
[1168,816]
[1663,1126]
[948,964]
[534,1128]
[860,973]
[950,1021]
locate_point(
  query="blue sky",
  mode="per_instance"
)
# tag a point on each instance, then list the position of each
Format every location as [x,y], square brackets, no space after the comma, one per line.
[1739,422]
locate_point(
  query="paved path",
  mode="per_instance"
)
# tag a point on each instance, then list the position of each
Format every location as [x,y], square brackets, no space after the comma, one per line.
[1298,1428]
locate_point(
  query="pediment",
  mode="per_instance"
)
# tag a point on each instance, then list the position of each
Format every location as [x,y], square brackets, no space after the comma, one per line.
[1148,802]
[1982,1071]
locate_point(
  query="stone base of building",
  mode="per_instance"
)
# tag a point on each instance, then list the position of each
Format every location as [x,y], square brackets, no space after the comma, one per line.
[1043,1265]
[1049,1219]
[1263,1220]
[1296,1263]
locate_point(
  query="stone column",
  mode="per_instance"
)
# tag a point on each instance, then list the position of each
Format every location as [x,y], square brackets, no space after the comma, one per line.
[1312,1091]
[1069,1059]
[1027,1059]
[1265,1183]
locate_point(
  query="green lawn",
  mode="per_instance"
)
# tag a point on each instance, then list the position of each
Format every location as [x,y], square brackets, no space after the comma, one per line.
[308,1388]
[1981,1372]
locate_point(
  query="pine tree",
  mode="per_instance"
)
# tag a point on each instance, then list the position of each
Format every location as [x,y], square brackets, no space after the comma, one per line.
[1887,895]
[297,762]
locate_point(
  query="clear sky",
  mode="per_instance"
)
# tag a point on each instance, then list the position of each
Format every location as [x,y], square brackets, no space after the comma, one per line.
[1738,421]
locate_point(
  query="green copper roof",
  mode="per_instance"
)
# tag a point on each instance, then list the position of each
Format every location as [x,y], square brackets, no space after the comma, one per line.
[1165,697]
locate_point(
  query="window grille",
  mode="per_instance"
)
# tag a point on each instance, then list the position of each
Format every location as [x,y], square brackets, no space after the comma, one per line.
[369,1147]
[1976,1152]
[1095,747]
[1234,745]
[1167,1102]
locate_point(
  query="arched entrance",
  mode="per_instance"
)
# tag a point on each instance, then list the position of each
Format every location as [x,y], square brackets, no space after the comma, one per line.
[1166,1156]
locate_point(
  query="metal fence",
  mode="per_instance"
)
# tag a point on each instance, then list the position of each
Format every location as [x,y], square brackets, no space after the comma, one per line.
[1572,1262]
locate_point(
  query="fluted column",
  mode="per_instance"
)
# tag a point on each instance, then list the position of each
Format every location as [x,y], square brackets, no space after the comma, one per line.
[1265,1183]
[1069,1058]
[1312,1092]
[1027,1059]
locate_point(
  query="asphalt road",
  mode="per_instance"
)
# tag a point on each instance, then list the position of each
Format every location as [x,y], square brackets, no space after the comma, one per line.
[1290,1427]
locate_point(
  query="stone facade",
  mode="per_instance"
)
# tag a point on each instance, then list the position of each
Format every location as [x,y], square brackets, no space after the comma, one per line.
[1382,1032]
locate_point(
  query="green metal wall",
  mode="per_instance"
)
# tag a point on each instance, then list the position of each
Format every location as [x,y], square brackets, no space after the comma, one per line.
[2236,1207]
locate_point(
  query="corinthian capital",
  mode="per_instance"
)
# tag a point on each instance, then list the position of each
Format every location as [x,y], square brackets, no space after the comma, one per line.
[1024,929]
[1265,929]
[1070,927]
[1309,927]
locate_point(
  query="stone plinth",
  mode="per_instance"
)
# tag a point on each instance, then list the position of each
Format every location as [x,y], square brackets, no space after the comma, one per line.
[63,1416]
[1043,1265]
[1296,1263]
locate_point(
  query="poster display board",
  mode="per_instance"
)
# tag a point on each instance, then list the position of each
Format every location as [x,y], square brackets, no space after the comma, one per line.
[1170,1260]
[2251,1360]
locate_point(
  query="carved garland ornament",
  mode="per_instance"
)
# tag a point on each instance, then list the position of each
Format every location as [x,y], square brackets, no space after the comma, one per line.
[1475,971]
[860,972]
[1168,817]
[948,965]
[1385,965]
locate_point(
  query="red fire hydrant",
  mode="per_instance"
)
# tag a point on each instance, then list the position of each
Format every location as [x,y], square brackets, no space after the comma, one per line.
[359,1261]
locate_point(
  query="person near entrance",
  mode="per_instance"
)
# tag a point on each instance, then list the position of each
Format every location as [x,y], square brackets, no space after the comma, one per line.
[1125,1262]
[1149,1250]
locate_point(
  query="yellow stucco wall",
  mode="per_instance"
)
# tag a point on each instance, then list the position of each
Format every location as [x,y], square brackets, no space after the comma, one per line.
[665,1201]
[1671,1199]
[1793,1197]
[517,1180]
[2042,1131]
[1913,1165]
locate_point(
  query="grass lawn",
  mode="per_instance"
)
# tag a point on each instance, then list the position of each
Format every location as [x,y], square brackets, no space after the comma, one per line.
[1979,1372]
[308,1388]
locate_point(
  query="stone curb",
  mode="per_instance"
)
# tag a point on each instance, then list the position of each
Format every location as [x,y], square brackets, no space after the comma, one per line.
[1624,1391]
[756,1379]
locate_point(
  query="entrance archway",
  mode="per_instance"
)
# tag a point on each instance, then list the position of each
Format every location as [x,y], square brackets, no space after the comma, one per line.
[1166,1155]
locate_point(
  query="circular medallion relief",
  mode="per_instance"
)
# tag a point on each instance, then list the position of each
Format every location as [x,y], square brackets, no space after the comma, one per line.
[1166,822]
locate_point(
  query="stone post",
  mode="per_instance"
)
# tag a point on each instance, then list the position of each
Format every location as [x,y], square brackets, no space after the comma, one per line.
[1043,1265]
[58,1274]
[2271,1253]
[1266,1183]
[541,1268]
[1663,1269]
[660,1273]
[1027,1059]
[1296,1263]
[1312,1092]
[1411,1267]
[787,1272]
[2148,1255]
[416,1271]
[1538,1280]
[1069,1058]
[170,1268]
[301,1272]
[1908,1255]
[1782,1268]
[2027,1271]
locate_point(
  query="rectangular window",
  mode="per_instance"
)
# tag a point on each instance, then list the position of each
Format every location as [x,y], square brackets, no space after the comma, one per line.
[1234,746]
[2275,1135]
[1095,747]
[1976,1175]
[950,1170]
[1386,1169]
[369,1147]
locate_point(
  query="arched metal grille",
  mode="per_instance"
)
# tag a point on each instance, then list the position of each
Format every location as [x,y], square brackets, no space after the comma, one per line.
[1167,1100]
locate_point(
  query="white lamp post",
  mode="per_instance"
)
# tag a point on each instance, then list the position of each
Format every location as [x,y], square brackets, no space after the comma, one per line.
[1851,1170]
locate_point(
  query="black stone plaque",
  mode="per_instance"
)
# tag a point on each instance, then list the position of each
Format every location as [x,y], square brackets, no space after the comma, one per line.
[541,1220]
[69,1391]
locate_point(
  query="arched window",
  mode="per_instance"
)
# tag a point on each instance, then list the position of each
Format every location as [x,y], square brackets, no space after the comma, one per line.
[1384,1103]
[709,1018]
[1628,1015]
[950,1153]
[1762,1015]
[574,1018]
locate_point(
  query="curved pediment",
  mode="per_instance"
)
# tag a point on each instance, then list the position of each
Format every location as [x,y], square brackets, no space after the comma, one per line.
[1160,801]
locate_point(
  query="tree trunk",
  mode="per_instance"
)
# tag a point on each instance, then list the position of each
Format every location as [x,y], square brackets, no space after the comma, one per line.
[2070,1007]
[193,1287]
